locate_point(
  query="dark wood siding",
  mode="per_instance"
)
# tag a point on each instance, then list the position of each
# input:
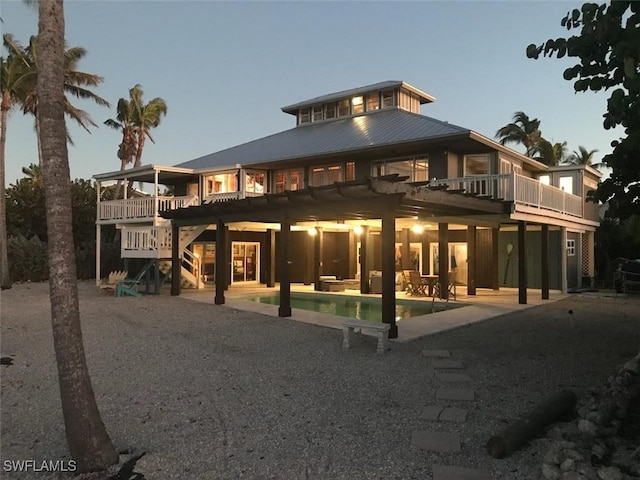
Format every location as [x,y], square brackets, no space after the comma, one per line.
[484,259]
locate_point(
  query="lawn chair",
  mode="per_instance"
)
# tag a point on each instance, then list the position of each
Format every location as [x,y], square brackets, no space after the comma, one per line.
[416,286]
[129,286]
[113,279]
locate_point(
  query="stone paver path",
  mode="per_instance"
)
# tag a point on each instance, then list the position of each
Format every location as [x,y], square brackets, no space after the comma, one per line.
[436,441]
[454,377]
[446,472]
[467,394]
[437,413]
[453,364]
[436,353]
[443,364]
[453,414]
[432,413]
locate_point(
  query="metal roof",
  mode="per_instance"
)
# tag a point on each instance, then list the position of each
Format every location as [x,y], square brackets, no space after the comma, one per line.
[371,130]
[424,97]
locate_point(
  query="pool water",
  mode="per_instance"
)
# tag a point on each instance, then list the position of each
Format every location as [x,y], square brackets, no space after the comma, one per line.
[362,308]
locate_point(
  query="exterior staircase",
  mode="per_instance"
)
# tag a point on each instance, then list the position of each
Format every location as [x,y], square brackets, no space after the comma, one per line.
[155,242]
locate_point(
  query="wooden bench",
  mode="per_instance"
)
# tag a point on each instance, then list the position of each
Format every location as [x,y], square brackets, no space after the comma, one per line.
[381,330]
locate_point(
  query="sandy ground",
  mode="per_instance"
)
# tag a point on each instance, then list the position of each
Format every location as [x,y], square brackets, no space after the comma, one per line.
[209,392]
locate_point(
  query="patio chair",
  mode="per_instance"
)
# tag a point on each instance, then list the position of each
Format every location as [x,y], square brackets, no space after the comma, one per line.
[113,279]
[451,286]
[129,286]
[416,286]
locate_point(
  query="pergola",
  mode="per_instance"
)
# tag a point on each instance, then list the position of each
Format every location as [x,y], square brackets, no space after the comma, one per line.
[385,198]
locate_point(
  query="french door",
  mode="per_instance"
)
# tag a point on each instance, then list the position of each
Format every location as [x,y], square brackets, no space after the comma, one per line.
[245,265]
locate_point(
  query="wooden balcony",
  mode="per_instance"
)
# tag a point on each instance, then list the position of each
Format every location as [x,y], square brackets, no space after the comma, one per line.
[526,193]
[522,191]
[146,242]
[141,210]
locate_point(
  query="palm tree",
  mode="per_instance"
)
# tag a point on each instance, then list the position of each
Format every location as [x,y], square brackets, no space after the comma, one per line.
[75,83]
[548,153]
[15,79]
[583,157]
[135,120]
[128,148]
[145,117]
[87,439]
[523,130]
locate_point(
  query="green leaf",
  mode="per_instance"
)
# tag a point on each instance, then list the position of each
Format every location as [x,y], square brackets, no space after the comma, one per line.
[630,67]
[532,51]
[575,15]
[549,46]
[580,85]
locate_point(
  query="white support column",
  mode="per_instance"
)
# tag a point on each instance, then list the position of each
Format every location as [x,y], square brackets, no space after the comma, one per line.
[563,259]
[98,233]
[98,248]
[155,198]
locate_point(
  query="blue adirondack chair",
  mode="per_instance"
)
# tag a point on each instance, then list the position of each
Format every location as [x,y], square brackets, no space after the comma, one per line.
[129,286]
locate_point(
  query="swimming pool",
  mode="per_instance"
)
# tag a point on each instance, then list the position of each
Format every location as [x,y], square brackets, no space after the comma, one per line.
[362,308]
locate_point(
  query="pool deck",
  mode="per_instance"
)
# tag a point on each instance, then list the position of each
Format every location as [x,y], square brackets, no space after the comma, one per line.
[484,305]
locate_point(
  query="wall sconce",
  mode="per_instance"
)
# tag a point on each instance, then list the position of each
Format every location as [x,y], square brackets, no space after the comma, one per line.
[417,228]
[358,230]
[312,231]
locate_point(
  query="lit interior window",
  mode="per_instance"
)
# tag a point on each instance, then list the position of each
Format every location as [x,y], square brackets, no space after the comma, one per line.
[357,104]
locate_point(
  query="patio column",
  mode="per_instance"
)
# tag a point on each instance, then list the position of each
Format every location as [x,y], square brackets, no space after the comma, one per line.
[471,259]
[522,262]
[364,261]
[284,264]
[221,262]
[318,246]
[175,259]
[309,257]
[443,260]
[270,258]
[352,254]
[389,271]
[405,249]
[544,257]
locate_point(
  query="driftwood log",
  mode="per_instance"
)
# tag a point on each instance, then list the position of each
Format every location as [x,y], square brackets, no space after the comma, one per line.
[515,435]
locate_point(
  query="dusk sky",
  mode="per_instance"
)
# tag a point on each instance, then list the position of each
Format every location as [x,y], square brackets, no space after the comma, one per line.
[226,68]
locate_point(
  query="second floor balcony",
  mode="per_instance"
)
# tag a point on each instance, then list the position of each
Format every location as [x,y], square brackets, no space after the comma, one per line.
[523,192]
[141,209]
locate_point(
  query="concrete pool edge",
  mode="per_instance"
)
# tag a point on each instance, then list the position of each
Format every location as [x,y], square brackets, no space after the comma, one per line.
[408,329]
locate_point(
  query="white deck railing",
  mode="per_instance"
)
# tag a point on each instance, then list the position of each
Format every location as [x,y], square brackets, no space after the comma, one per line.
[509,187]
[518,189]
[148,242]
[140,209]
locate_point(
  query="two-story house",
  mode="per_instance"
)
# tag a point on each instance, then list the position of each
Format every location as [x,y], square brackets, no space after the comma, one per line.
[355,161]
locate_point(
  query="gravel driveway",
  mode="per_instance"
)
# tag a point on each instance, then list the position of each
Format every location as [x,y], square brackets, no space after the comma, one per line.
[209,392]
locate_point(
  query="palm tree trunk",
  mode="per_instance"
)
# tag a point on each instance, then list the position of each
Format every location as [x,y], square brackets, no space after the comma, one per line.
[5,279]
[39,141]
[123,167]
[87,438]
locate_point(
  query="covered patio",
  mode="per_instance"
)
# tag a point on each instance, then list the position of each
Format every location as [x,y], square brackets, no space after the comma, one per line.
[385,198]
